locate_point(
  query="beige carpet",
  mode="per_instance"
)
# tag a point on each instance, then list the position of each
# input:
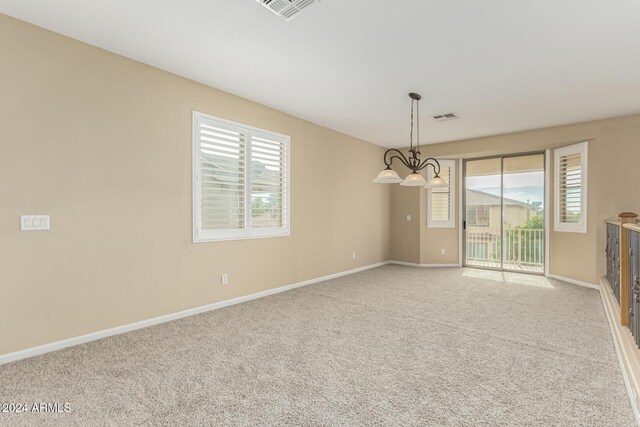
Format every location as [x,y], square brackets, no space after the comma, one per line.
[389,346]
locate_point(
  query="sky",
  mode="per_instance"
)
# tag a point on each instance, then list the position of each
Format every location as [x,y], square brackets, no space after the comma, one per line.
[524,187]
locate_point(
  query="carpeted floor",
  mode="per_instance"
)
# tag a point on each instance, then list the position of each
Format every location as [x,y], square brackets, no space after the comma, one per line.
[389,346]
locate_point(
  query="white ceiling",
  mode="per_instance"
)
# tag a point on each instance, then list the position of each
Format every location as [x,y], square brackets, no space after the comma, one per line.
[501,65]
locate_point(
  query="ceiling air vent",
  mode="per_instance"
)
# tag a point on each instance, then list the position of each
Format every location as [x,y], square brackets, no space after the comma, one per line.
[287,9]
[445,117]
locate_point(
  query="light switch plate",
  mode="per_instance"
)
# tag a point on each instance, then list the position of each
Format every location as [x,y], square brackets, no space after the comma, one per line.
[34,222]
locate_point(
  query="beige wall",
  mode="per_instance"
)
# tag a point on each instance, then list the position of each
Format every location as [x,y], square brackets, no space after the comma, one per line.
[614,174]
[405,243]
[103,145]
[439,238]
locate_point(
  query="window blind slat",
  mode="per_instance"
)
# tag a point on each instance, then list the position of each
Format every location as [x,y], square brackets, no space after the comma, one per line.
[268,184]
[440,199]
[570,189]
[242,183]
[222,177]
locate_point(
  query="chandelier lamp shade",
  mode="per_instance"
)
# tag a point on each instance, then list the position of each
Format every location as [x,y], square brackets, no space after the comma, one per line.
[412,161]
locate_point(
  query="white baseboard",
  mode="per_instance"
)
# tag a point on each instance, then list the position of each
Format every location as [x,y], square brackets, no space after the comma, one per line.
[627,356]
[58,345]
[413,264]
[616,331]
[574,281]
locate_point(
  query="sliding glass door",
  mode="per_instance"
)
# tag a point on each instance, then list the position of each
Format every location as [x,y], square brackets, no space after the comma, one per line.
[504,213]
[483,195]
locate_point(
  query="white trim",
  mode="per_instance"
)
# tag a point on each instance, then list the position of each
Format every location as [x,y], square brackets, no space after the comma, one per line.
[573,281]
[451,222]
[243,125]
[624,350]
[460,212]
[195,182]
[413,264]
[582,149]
[249,132]
[93,336]
[547,213]
[58,345]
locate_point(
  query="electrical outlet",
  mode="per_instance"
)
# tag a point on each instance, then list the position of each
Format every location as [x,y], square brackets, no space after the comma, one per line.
[408,218]
[353,255]
[34,222]
[224,279]
[442,251]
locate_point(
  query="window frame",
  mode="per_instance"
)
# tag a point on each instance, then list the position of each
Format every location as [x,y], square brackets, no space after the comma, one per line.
[570,227]
[431,223]
[475,210]
[201,236]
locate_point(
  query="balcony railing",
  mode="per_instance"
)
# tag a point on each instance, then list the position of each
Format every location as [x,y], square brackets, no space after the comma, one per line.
[612,252]
[622,254]
[620,292]
[523,248]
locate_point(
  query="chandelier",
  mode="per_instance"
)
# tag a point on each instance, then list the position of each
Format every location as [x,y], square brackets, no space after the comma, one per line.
[413,162]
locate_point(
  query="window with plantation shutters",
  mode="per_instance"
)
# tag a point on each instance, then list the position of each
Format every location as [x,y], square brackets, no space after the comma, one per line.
[268,182]
[241,185]
[441,200]
[571,188]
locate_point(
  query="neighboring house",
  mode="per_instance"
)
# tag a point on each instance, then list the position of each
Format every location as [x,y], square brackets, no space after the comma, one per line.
[483,210]
[483,229]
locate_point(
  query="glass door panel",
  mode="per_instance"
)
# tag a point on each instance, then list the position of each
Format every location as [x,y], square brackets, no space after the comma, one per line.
[523,213]
[483,195]
[504,213]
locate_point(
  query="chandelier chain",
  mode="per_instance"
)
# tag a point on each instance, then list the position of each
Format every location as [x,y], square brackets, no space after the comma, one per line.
[418,125]
[411,132]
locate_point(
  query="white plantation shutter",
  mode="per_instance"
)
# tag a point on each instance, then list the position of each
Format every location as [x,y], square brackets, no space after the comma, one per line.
[441,200]
[233,200]
[222,157]
[571,188]
[268,181]
[570,191]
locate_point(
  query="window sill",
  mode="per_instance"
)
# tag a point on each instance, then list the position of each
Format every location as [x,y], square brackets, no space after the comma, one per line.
[231,238]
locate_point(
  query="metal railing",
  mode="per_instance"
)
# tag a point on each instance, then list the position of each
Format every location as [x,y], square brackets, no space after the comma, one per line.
[632,251]
[621,293]
[523,248]
[622,256]
[612,252]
